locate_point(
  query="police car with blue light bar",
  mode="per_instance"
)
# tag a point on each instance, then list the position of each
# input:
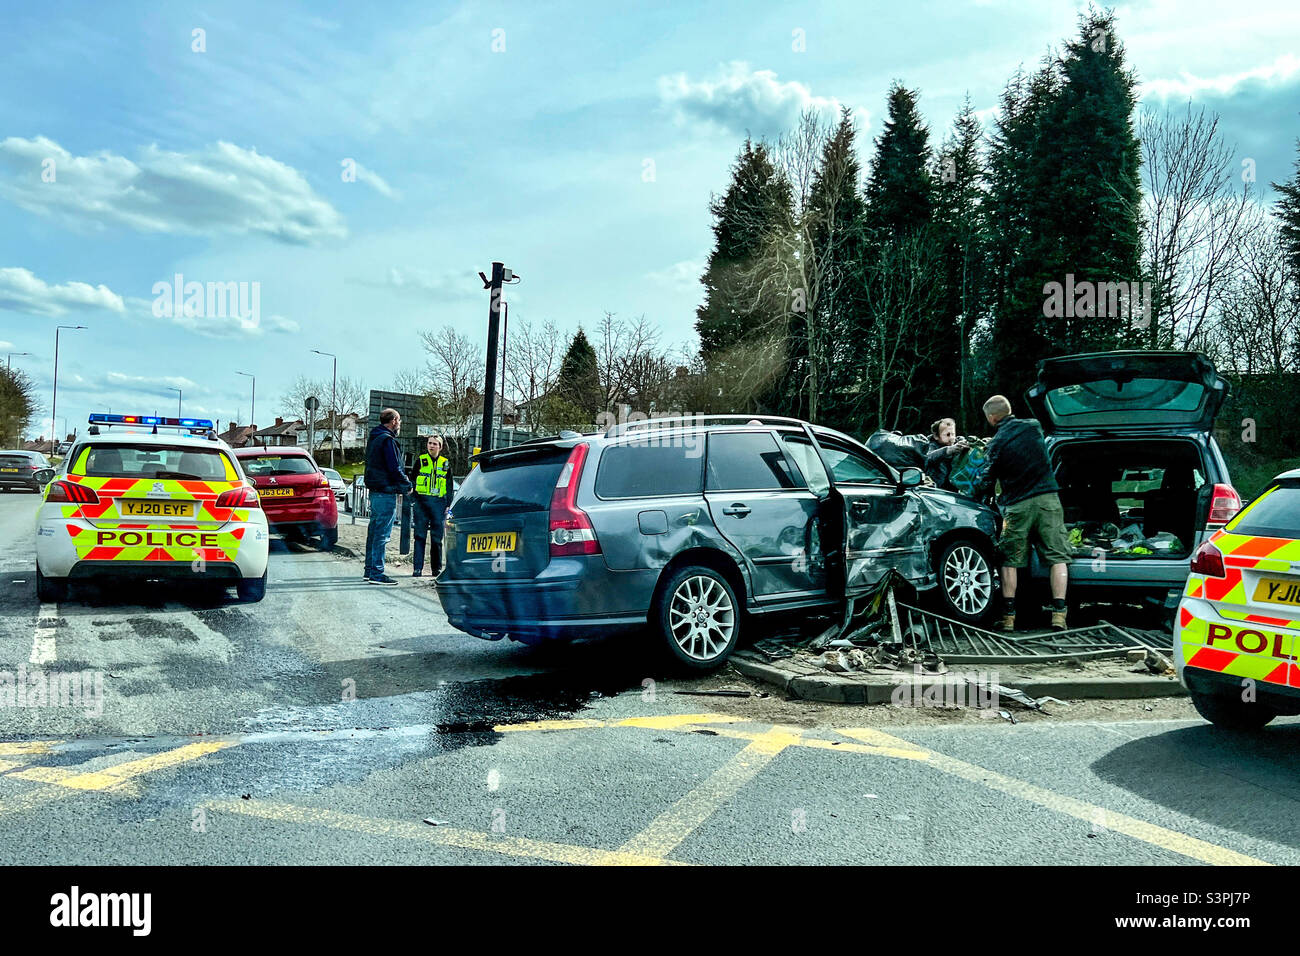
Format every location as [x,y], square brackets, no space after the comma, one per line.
[143,496]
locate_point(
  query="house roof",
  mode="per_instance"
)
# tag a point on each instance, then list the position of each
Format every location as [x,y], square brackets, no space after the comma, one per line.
[283,428]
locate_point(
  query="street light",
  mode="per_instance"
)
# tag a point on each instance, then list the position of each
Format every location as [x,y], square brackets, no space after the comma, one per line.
[10,362]
[333,398]
[178,392]
[252,409]
[54,404]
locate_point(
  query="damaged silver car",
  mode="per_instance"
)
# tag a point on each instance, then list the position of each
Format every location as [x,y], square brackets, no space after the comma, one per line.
[696,527]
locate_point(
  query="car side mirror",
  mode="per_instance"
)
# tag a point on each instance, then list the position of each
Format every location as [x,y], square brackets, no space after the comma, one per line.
[910,478]
[44,476]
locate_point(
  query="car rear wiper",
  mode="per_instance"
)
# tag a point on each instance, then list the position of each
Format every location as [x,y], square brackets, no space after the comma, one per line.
[182,475]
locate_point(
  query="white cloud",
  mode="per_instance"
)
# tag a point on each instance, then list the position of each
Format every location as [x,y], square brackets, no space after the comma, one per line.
[684,275]
[423,282]
[223,189]
[21,291]
[375,181]
[122,380]
[743,100]
[278,323]
[1282,70]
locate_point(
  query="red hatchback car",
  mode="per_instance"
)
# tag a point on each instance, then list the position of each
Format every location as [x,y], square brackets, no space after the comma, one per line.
[295,494]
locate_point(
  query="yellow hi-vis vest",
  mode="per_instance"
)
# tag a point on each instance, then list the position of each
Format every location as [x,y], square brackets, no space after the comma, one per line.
[432,476]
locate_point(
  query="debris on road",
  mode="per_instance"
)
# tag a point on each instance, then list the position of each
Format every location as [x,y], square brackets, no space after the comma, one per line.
[715,693]
[437,823]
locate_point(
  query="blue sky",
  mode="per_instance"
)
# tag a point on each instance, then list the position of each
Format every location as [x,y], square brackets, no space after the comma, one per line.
[530,145]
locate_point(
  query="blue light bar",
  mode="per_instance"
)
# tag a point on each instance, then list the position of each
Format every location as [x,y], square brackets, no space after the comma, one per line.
[100,418]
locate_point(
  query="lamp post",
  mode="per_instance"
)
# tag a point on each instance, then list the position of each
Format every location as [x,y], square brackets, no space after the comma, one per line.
[252,408]
[54,404]
[178,392]
[334,409]
[9,363]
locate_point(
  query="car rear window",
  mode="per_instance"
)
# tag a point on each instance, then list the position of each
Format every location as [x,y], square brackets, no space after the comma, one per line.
[261,465]
[154,461]
[11,461]
[640,470]
[515,483]
[1274,514]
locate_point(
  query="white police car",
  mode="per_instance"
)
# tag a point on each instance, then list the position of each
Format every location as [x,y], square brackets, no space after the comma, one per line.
[131,501]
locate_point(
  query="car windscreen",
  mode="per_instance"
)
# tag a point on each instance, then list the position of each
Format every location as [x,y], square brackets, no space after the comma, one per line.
[154,461]
[513,483]
[259,466]
[331,474]
[1274,514]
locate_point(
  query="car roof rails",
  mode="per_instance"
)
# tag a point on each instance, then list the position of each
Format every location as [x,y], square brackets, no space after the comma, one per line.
[687,421]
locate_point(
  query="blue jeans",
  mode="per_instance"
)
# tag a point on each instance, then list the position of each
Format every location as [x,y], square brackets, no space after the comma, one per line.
[383,509]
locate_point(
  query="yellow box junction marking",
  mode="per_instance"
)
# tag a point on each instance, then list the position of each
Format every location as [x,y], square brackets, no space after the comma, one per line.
[440,836]
[667,831]
[120,778]
[1171,840]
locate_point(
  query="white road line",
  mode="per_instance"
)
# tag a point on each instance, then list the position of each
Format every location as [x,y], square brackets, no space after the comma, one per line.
[43,650]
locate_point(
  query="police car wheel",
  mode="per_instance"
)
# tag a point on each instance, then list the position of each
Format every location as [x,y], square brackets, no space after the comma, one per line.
[1230,712]
[50,589]
[252,589]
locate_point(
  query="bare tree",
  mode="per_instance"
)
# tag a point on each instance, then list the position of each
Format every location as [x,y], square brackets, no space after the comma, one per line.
[1258,328]
[1193,216]
[793,267]
[631,363]
[454,372]
[533,359]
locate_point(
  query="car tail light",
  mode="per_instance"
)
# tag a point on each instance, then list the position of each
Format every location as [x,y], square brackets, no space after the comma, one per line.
[73,493]
[241,497]
[571,530]
[1208,560]
[1224,503]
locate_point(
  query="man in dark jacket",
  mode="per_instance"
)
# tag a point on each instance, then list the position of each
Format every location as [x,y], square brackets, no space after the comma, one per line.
[386,480]
[1031,508]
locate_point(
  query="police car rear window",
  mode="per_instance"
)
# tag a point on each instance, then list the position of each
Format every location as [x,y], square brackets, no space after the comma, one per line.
[154,461]
[1275,514]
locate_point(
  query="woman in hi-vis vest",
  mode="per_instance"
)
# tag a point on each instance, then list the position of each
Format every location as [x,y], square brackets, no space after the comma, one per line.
[432,486]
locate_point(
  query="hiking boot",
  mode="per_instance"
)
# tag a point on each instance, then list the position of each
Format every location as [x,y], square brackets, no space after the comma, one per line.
[1008,623]
[1058,620]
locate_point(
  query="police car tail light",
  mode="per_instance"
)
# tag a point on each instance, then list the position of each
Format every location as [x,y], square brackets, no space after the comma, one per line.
[1208,560]
[241,497]
[1224,503]
[72,493]
[571,530]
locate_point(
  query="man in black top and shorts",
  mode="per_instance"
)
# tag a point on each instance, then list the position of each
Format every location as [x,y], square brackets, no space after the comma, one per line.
[1031,508]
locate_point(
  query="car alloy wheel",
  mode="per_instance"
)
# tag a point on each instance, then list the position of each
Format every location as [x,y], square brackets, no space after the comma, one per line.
[701,618]
[967,580]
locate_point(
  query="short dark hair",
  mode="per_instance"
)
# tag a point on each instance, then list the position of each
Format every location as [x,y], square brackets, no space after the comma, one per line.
[387,415]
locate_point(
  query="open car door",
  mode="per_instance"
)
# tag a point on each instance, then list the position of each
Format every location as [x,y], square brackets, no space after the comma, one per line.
[873,521]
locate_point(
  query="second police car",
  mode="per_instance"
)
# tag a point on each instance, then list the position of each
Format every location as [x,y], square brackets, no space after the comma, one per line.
[149,497]
[1237,638]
